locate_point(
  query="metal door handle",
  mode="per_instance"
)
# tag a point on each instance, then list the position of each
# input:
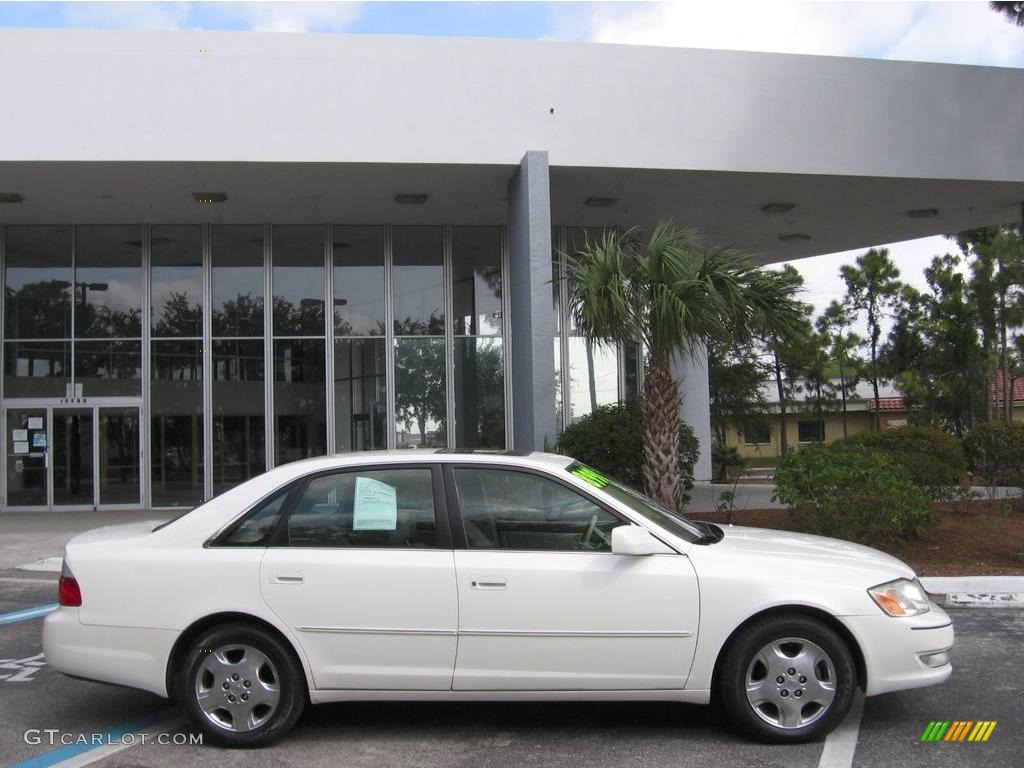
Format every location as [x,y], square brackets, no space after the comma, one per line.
[286,577]
[488,582]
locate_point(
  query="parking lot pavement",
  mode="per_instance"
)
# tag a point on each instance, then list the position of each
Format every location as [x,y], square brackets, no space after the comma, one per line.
[986,685]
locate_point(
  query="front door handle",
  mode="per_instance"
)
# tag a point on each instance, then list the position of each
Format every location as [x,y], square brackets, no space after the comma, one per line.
[488,582]
[286,577]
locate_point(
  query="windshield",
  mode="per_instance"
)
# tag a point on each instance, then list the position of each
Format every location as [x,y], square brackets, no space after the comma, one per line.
[661,516]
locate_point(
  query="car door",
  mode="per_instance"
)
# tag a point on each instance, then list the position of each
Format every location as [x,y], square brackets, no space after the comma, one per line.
[362,570]
[543,602]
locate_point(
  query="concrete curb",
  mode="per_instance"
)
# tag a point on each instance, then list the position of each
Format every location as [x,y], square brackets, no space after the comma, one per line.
[975,591]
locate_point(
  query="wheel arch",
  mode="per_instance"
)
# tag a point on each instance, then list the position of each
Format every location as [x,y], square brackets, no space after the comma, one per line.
[804,611]
[233,618]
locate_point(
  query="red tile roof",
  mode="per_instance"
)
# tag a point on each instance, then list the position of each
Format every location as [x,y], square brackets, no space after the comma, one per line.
[997,387]
[888,404]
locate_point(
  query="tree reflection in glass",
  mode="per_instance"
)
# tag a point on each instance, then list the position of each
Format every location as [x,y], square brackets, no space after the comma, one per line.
[420,392]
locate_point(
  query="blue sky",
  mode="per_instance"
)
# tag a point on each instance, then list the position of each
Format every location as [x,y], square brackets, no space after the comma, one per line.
[954,32]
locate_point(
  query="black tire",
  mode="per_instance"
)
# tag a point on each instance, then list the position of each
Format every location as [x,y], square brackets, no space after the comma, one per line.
[262,664]
[809,658]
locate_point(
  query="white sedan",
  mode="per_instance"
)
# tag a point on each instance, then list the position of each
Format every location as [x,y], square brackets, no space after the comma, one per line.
[500,577]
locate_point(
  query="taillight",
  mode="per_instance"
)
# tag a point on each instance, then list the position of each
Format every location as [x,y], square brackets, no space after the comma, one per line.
[68,592]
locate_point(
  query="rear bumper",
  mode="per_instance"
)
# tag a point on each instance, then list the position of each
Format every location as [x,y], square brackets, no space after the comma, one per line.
[127,656]
[901,653]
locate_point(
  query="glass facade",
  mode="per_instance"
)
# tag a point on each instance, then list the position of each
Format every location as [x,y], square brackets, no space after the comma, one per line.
[160,365]
[588,375]
[421,364]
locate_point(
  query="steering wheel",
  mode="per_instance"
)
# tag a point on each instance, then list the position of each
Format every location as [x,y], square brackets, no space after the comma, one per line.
[589,533]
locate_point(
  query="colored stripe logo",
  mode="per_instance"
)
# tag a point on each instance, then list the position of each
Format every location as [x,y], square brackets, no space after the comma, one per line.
[958,730]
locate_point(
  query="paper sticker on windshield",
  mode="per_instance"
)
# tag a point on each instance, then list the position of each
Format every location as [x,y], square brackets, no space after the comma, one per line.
[591,476]
[375,507]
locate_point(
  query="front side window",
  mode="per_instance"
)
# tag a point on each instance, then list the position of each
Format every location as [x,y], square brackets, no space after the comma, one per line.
[366,508]
[506,509]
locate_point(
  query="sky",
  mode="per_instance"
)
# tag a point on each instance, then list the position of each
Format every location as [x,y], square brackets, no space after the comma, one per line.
[953,32]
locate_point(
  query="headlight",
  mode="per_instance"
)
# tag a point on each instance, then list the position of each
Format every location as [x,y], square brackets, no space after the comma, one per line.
[902,597]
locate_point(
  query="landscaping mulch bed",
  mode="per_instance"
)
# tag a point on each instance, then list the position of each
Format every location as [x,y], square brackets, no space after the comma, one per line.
[974,538]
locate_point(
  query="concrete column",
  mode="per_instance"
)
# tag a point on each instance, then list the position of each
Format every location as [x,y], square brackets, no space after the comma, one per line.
[532,323]
[691,371]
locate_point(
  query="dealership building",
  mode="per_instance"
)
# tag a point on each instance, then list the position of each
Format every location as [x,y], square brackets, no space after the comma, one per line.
[222,252]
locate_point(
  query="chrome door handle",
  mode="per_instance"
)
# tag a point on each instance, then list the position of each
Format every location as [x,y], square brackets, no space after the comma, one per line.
[286,577]
[488,582]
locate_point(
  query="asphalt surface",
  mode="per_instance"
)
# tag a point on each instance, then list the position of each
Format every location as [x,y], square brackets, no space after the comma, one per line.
[987,685]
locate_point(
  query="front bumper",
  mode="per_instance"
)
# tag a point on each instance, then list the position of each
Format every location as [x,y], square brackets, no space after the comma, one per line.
[127,656]
[902,653]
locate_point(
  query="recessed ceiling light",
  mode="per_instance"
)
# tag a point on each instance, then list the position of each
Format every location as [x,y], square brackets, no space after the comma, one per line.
[923,213]
[411,198]
[794,237]
[600,202]
[210,197]
[770,209]
[11,197]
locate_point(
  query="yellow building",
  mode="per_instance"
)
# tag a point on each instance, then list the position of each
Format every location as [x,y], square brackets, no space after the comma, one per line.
[803,426]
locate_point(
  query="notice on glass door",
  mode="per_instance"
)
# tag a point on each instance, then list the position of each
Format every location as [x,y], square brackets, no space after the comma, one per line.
[35,422]
[375,507]
[19,434]
[21,446]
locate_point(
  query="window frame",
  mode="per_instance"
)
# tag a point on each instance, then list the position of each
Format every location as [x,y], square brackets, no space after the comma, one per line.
[458,528]
[821,431]
[277,539]
[747,439]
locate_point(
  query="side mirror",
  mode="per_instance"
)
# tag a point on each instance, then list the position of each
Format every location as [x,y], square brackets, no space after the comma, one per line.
[635,540]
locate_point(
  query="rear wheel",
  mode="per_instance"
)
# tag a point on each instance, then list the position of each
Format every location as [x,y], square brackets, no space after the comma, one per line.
[241,686]
[787,679]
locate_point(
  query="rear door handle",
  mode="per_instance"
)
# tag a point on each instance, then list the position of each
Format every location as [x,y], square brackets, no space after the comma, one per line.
[287,577]
[488,582]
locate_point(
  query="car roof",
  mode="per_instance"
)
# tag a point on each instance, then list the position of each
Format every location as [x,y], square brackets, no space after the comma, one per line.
[538,459]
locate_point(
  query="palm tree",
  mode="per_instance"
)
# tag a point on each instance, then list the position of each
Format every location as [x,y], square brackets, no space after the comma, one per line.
[672,293]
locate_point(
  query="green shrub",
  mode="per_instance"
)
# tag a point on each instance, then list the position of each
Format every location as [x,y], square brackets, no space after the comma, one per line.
[611,440]
[852,492]
[934,459]
[995,452]
[727,462]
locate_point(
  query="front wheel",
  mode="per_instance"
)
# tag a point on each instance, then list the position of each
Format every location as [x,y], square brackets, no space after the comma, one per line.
[241,686]
[787,679]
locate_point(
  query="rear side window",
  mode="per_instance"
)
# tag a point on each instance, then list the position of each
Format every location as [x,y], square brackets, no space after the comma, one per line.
[256,529]
[375,508]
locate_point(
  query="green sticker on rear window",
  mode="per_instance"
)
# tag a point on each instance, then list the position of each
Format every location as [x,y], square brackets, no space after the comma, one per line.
[591,476]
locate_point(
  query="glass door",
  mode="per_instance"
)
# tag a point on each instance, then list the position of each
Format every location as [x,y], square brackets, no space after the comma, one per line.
[74,482]
[119,456]
[73,457]
[27,475]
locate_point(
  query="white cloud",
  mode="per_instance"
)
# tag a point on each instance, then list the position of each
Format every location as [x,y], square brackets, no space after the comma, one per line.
[291,17]
[822,283]
[260,16]
[958,32]
[126,15]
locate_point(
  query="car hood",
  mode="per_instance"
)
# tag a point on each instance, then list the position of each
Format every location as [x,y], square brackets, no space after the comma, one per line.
[801,549]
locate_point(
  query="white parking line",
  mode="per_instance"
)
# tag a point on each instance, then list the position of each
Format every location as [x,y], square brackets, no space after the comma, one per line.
[842,742]
[100,753]
[99,746]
